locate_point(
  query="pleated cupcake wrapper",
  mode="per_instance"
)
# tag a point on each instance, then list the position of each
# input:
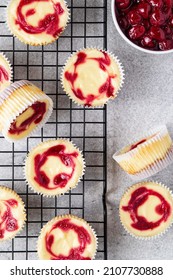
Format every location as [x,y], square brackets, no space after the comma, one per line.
[158,164]
[147,237]
[70,188]
[24,212]
[44,43]
[120,67]
[9,65]
[68,216]
[7,117]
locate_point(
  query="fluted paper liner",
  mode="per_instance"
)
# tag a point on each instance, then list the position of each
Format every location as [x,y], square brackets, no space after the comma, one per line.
[44,43]
[152,236]
[158,163]
[9,66]
[58,191]
[121,71]
[18,198]
[15,104]
[68,216]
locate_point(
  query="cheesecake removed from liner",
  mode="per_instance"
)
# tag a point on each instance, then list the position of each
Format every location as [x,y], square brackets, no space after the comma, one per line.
[67,238]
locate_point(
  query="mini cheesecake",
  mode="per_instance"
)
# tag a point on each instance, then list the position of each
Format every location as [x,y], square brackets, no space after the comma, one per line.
[146,209]
[54,167]
[91,77]
[67,238]
[147,156]
[5,72]
[36,22]
[23,109]
[12,213]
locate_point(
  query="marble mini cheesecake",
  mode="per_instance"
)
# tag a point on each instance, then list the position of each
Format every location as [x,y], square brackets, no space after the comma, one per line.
[5,72]
[91,77]
[67,238]
[12,213]
[37,22]
[54,167]
[23,109]
[146,209]
[148,155]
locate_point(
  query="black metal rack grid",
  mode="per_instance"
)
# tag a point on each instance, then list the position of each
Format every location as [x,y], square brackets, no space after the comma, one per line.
[85,127]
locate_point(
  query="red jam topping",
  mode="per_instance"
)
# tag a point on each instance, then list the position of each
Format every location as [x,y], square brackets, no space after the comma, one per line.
[3,74]
[137,144]
[39,109]
[147,23]
[49,24]
[107,88]
[60,180]
[75,253]
[7,221]
[138,198]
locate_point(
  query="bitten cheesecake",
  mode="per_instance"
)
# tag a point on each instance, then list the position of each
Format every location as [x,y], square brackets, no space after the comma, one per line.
[67,238]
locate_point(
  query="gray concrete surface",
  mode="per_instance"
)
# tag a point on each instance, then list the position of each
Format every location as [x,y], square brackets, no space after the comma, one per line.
[145,101]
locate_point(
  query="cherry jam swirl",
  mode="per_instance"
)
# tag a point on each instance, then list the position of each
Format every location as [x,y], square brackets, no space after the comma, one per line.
[3,74]
[138,198]
[49,24]
[61,179]
[75,253]
[7,221]
[107,88]
[39,109]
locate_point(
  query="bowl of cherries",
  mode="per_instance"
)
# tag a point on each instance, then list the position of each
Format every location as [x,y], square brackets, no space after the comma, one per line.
[145,24]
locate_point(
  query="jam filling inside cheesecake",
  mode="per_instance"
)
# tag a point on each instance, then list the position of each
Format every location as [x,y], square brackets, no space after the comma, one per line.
[49,24]
[138,198]
[134,146]
[106,88]
[38,112]
[66,226]
[7,221]
[3,74]
[61,179]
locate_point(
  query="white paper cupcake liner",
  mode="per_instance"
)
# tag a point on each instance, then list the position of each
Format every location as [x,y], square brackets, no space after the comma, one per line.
[120,67]
[66,217]
[147,237]
[19,104]
[157,165]
[18,198]
[61,193]
[9,65]
[44,43]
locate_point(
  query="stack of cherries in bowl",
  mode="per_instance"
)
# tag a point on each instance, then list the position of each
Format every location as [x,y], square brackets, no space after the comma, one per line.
[146,23]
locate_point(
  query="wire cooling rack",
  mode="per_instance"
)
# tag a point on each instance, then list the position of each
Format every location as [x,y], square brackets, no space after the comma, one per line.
[85,127]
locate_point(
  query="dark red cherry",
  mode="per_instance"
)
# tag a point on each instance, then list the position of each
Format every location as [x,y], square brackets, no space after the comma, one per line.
[136,32]
[171,22]
[143,9]
[122,4]
[166,45]
[134,18]
[157,33]
[123,22]
[157,18]
[167,30]
[156,3]
[148,42]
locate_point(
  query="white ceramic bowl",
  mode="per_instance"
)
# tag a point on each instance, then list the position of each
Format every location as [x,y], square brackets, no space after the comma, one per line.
[127,40]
